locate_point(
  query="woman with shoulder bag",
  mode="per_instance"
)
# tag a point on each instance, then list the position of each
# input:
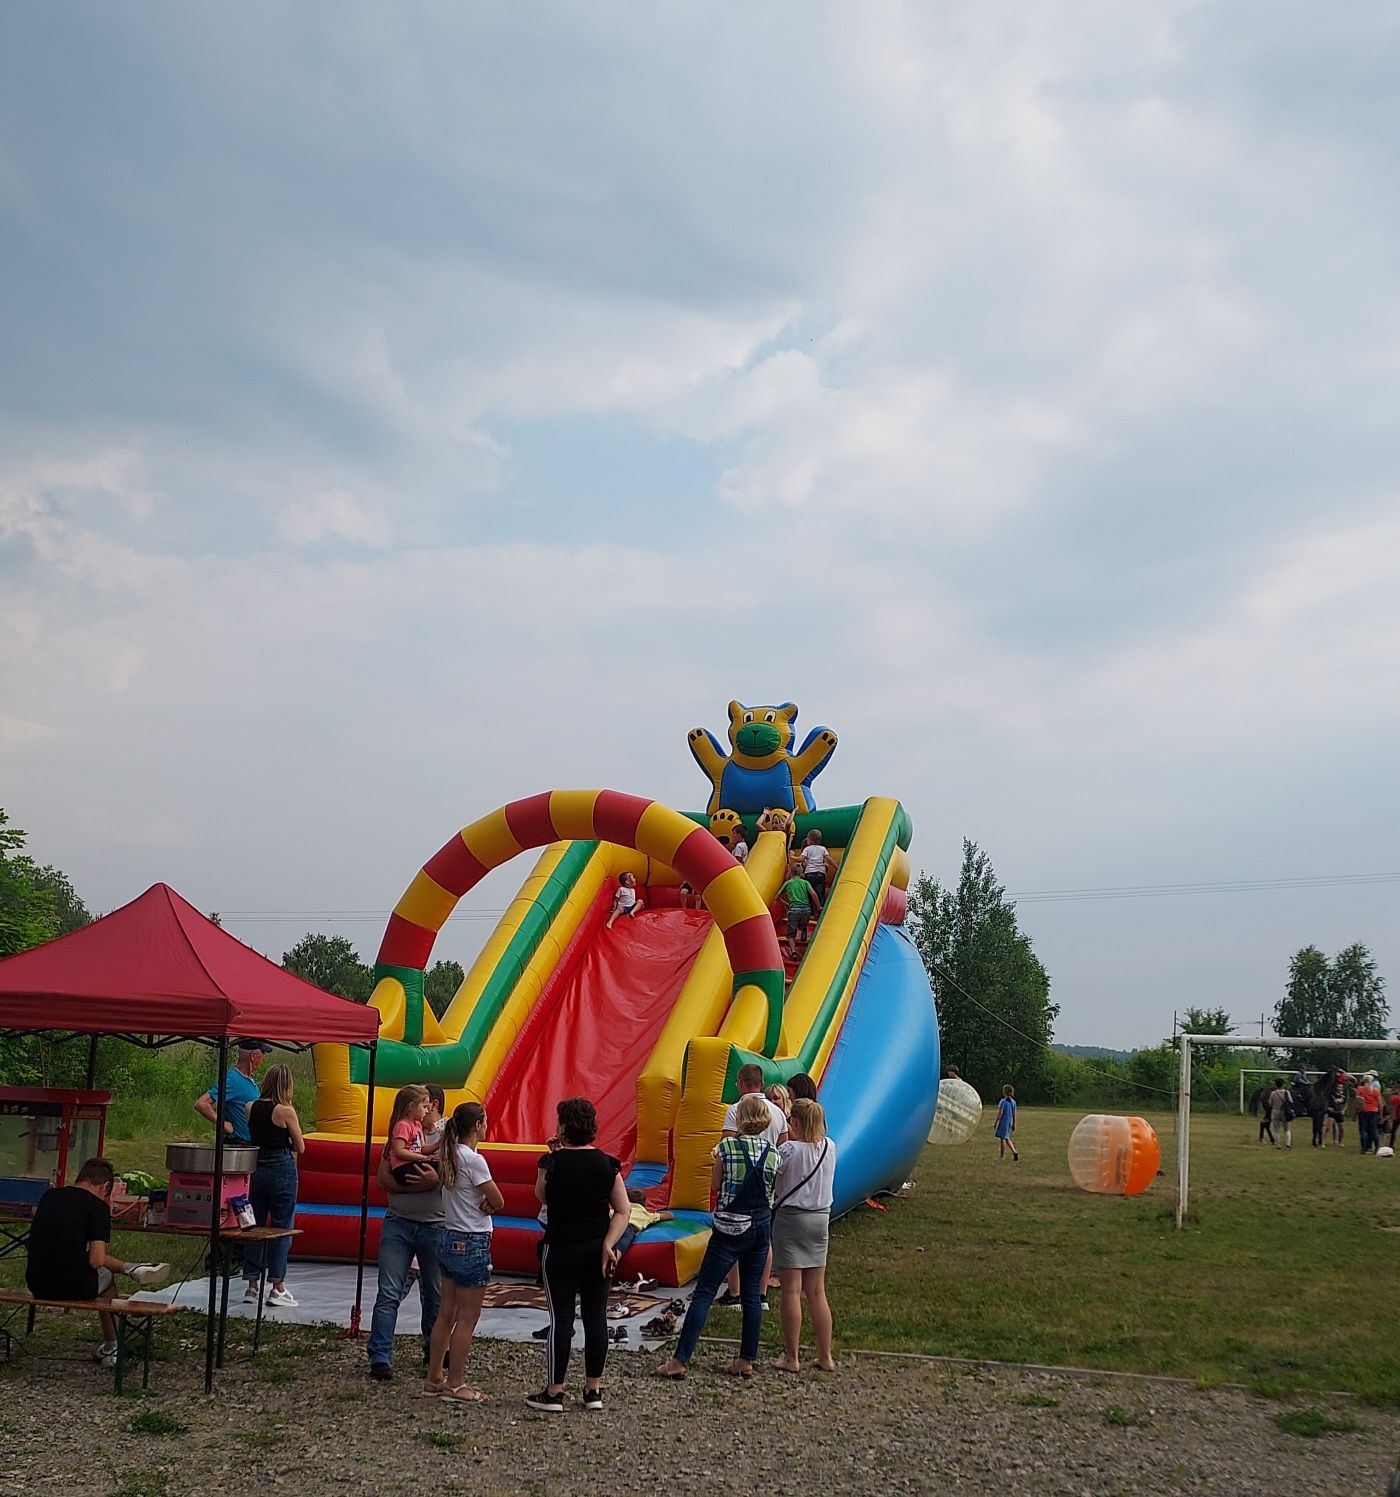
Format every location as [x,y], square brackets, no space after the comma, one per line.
[746,1165]
[801,1221]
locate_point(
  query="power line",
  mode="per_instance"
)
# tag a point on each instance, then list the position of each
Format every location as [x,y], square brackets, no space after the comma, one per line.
[992,1013]
[342,916]
[1220,886]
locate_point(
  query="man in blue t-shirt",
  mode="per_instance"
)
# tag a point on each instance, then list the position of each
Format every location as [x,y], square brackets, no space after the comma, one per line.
[239,1090]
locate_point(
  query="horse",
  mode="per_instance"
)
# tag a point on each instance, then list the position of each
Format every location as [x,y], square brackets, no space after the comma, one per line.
[1310,1100]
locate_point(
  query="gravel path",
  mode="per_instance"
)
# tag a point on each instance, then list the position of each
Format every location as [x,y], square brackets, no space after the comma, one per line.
[302,1416]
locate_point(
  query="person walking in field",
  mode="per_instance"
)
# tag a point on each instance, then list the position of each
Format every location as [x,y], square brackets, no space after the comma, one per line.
[1280,1106]
[1368,1112]
[1006,1124]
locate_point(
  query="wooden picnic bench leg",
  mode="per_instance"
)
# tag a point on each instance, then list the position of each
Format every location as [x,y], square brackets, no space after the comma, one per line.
[262,1295]
[147,1328]
[121,1350]
[226,1247]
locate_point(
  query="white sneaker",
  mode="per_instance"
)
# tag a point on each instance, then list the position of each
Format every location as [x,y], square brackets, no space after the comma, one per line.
[250,1294]
[280,1297]
[147,1273]
[106,1354]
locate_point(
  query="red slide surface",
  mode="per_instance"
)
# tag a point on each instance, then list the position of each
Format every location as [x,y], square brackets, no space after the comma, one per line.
[591,1033]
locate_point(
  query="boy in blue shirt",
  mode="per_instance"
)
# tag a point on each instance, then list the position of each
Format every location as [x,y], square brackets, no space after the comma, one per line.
[239,1090]
[1006,1124]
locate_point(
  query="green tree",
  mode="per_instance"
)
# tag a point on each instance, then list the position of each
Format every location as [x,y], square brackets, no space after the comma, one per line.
[994,1011]
[331,963]
[1358,991]
[36,904]
[440,984]
[1344,997]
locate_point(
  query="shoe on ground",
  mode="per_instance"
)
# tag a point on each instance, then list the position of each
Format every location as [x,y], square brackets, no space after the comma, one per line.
[593,1399]
[540,1335]
[148,1273]
[381,1372]
[106,1354]
[250,1293]
[545,1402]
[763,1305]
[281,1298]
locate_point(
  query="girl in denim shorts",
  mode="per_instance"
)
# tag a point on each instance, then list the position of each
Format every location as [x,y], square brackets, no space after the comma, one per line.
[469,1196]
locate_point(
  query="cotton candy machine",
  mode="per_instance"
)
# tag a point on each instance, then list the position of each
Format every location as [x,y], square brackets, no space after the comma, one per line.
[194,1187]
[46,1132]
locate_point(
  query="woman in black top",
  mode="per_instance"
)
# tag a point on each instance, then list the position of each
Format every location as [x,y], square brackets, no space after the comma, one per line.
[586,1202]
[275,1129]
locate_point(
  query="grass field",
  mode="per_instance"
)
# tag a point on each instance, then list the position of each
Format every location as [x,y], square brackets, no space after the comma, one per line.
[1284,1278]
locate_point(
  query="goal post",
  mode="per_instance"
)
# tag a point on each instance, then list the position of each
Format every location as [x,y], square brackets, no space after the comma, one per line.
[1238,1042]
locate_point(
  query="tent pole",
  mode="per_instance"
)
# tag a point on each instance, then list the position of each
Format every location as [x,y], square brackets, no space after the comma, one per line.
[364,1191]
[216,1267]
[92,1061]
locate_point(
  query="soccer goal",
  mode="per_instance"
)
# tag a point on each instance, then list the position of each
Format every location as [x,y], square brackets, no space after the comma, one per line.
[1238,1042]
[1267,1071]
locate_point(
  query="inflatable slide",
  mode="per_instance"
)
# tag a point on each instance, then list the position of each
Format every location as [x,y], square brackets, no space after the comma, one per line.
[652,1016]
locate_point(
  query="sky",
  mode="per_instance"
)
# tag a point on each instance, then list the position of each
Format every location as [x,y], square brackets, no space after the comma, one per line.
[408,408]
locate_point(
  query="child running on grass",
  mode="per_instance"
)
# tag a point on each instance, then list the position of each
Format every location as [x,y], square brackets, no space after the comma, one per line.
[1006,1124]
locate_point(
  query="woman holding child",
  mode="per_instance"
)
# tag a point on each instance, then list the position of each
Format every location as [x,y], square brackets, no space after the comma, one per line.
[469,1196]
[745,1168]
[801,1222]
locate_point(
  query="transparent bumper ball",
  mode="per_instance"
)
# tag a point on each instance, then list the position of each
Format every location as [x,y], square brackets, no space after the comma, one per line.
[1114,1156]
[958,1112]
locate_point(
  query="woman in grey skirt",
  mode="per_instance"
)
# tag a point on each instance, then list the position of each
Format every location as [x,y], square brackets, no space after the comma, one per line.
[801,1220]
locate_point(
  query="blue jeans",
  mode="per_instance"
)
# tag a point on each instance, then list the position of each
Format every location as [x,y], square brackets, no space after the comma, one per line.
[750,1252]
[1369,1126]
[399,1240]
[273,1192]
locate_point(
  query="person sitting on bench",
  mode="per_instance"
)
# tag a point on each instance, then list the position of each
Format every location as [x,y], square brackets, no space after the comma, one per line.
[68,1254]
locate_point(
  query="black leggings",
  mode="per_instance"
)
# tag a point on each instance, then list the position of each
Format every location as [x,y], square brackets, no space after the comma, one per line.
[575,1269]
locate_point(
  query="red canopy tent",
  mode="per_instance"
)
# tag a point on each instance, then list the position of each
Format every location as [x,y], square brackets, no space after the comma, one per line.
[156,971]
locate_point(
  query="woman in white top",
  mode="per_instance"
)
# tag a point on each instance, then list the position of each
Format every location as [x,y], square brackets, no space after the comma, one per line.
[469,1196]
[801,1220]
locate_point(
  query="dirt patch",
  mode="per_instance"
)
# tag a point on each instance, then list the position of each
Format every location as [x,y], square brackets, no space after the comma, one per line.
[303,1416]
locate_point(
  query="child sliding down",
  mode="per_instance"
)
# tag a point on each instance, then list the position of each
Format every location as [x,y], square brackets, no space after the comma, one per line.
[626,901]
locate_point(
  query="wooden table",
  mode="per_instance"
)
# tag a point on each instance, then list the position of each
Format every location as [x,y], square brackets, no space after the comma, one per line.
[14,1237]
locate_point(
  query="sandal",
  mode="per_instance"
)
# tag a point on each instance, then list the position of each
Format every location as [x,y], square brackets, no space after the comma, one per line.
[734,1370]
[674,1377]
[434,1390]
[662,1325]
[464,1394]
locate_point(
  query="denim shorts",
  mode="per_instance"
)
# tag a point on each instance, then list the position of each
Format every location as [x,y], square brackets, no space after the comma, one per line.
[466,1258]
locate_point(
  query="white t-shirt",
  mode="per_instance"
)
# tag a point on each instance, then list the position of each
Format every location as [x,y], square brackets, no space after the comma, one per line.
[777,1125]
[740,850]
[625,898]
[797,1160]
[461,1204]
[813,857]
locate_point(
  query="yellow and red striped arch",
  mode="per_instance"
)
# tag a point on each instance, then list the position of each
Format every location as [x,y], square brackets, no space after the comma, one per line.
[651,828]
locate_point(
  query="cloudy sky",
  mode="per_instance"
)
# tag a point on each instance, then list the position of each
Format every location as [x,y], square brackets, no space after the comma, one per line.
[405,408]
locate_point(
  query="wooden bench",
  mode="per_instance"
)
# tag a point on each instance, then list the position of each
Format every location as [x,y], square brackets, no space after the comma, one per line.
[135,1323]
